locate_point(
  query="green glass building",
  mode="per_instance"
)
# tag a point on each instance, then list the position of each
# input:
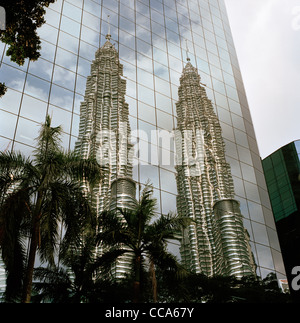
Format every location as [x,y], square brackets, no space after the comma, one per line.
[151,38]
[282,172]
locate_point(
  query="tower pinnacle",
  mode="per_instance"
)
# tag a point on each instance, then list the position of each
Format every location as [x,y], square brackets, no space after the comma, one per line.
[108,36]
[187,51]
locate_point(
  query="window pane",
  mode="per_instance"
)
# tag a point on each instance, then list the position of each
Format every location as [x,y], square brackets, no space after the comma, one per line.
[127,25]
[64,78]
[11,101]
[164,120]
[12,77]
[48,33]
[37,87]
[68,42]
[66,59]
[33,109]
[61,97]
[6,122]
[91,21]
[149,173]
[146,112]
[52,18]
[168,202]
[41,68]
[145,78]
[70,26]
[72,11]
[27,131]
[60,117]
[168,181]
[146,95]
[163,103]
[47,51]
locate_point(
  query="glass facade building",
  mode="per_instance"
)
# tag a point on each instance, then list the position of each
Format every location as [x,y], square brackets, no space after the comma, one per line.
[282,173]
[152,38]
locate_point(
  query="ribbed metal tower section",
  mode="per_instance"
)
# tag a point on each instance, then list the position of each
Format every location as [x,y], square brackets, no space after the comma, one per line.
[104,134]
[215,243]
[2,279]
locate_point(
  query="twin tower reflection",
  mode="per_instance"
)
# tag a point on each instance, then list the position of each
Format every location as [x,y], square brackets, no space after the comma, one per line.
[216,241]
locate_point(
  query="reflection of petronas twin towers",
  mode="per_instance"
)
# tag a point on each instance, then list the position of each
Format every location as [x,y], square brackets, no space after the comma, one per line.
[215,242]
[104,130]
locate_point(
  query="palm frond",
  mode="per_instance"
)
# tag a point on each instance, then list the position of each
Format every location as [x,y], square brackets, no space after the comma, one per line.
[133,222]
[165,228]
[15,169]
[14,227]
[52,285]
[54,201]
[49,229]
[147,205]
[167,262]
[14,216]
[14,271]
[113,230]
[69,210]
[48,140]
[82,169]
[12,161]
[104,261]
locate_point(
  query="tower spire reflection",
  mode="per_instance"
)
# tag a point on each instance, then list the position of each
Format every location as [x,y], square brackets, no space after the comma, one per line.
[215,243]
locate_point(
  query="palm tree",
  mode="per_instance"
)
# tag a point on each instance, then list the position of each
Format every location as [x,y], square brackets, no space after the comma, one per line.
[40,198]
[137,232]
[81,276]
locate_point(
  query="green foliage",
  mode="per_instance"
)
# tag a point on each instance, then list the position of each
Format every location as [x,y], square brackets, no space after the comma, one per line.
[198,288]
[138,233]
[3,89]
[42,197]
[77,279]
[22,20]
[39,198]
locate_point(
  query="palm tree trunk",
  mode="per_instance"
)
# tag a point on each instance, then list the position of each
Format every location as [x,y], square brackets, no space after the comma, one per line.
[153,280]
[137,283]
[27,287]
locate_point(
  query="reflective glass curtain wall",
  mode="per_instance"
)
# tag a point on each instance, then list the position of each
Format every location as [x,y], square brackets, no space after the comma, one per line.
[152,37]
[282,173]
